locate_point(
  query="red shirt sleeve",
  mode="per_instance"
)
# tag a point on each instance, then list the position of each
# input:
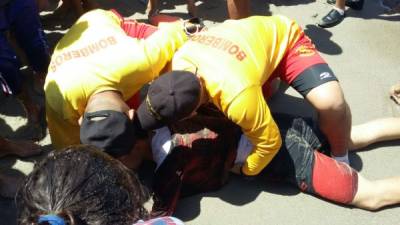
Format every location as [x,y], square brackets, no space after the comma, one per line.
[137,30]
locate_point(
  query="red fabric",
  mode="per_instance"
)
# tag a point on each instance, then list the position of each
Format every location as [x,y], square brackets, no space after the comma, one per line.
[334,180]
[134,101]
[135,29]
[138,30]
[302,56]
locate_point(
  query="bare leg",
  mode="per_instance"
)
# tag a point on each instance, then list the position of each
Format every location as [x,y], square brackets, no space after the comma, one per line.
[340,4]
[383,129]
[334,115]
[32,109]
[191,7]
[152,8]
[373,195]
[20,148]
[238,9]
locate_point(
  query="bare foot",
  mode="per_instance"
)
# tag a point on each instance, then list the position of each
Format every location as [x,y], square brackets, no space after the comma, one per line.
[395,93]
[9,185]
[22,148]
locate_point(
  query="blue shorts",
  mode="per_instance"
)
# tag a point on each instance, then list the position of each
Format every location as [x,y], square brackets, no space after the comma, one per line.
[21,18]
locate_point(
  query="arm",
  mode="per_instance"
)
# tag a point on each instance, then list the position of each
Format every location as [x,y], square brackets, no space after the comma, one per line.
[160,47]
[250,111]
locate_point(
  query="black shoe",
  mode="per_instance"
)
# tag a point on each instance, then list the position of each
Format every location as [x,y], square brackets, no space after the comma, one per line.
[332,19]
[354,4]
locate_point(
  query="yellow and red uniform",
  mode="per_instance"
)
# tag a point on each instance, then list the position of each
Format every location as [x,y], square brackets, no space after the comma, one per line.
[235,62]
[96,55]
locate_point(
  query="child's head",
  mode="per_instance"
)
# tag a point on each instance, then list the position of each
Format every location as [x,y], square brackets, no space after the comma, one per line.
[81,185]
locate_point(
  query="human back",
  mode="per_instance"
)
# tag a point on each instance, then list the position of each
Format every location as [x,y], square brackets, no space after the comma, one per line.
[93,57]
[245,52]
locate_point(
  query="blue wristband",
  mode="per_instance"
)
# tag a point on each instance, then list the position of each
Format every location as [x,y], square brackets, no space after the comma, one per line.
[51,219]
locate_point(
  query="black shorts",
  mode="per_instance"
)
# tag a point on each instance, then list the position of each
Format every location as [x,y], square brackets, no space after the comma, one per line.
[313,77]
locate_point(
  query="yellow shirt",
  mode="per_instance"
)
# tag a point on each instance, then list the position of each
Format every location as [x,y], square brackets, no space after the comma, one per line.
[96,55]
[235,59]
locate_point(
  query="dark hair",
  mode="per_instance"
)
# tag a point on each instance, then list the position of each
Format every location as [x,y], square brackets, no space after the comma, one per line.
[82,185]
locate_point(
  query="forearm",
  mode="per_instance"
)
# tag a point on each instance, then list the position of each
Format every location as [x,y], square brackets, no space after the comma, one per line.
[378,130]
[162,44]
[261,157]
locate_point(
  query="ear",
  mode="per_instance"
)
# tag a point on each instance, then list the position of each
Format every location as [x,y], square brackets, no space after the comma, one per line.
[131,114]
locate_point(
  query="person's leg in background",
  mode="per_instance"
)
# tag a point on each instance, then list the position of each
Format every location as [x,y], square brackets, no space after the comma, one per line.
[152,8]
[238,9]
[26,29]
[337,14]
[191,8]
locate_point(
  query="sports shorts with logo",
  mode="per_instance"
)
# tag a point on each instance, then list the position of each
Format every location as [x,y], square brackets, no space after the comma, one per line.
[303,68]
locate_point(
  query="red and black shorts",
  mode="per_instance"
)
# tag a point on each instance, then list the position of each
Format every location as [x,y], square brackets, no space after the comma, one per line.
[303,68]
[303,161]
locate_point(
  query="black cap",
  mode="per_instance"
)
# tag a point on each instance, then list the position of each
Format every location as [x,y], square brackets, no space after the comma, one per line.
[110,130]
[171,97]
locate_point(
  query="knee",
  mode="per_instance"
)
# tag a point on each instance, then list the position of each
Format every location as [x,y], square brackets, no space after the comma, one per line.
[328,98]
[371,204]
[370,195]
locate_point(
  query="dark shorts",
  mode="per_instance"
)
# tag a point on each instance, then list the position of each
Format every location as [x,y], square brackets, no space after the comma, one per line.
[302,68]
[304,162]
[313,77]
